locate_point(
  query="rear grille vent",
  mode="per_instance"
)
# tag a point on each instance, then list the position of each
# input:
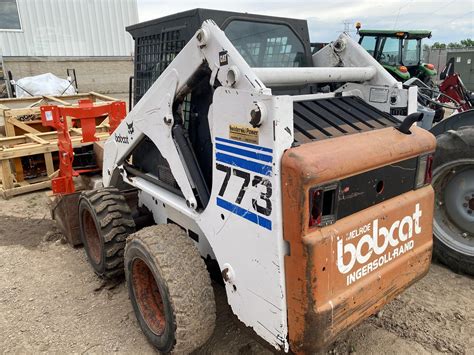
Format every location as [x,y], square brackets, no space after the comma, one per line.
[334,117]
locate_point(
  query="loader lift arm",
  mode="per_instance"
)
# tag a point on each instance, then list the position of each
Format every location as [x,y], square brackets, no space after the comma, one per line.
[158,114]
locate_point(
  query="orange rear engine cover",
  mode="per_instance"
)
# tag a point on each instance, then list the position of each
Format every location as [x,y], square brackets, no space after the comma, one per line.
[338,275]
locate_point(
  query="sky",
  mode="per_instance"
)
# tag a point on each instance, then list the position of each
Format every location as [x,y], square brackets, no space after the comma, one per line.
[449,20]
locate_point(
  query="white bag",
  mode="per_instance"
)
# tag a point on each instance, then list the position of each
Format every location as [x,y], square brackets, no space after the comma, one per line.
[44,84]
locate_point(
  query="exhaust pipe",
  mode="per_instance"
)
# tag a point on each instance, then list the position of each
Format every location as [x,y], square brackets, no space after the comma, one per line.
[404,127]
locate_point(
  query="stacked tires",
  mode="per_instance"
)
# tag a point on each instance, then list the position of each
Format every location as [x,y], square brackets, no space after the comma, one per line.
[168,283]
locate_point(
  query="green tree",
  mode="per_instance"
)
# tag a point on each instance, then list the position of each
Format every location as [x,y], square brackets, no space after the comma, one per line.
[455,45]
[438,45]
[461,44]
[467,42]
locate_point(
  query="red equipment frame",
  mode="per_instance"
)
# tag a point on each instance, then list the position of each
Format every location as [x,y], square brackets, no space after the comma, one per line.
[86,112]
[453,86]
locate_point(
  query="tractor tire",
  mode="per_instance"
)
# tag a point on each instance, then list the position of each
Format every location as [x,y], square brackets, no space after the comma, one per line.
[105,222]
[170,289]
[453,182]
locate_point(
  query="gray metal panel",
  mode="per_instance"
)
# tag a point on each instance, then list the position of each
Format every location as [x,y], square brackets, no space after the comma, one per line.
[463,65]
[71,28]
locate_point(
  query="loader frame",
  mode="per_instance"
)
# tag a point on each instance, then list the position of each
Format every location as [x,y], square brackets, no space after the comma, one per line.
[247,190]
[261,145]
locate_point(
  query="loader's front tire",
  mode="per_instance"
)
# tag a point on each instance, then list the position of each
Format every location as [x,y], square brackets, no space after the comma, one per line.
[105,221]
[170,289]
[453,182]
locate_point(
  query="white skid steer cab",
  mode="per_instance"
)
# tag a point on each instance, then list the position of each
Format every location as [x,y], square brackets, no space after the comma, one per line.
[315,204]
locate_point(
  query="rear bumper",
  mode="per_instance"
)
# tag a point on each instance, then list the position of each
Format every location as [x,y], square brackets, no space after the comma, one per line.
[340,294]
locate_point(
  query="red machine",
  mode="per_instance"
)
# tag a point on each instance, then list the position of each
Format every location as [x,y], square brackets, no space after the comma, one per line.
[453,87]
[86,112]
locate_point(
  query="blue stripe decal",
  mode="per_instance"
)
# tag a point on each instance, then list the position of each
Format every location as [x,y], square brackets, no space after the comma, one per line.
[242,212]
[246,145]
[244,164]
[246,153]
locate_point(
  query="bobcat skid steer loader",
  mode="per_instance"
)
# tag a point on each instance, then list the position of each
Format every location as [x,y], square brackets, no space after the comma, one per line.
[317,207]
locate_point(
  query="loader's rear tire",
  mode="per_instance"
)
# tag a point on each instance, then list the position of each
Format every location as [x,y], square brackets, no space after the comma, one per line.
[105,221]
[170,289]
[453,181]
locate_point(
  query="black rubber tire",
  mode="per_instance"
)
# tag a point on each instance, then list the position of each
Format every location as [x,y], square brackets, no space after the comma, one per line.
[451,146]
[176,308]
[105,222]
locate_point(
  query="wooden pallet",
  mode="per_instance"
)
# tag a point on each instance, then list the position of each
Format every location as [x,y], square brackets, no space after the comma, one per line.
[45,143]
[26,136]
[22,116]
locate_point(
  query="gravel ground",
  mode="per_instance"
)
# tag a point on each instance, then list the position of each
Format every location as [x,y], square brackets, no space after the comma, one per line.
[51,301]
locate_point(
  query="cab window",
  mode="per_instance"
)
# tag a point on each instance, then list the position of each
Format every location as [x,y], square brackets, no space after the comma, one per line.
[369,44]
[266,44]
[390,51]
[411,54]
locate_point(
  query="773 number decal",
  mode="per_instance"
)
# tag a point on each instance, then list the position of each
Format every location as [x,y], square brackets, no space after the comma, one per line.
[262,205]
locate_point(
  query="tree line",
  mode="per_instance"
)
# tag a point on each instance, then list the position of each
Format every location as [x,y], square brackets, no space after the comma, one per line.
[461,44]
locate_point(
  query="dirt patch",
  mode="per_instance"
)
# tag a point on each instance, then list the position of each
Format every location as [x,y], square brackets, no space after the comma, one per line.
[33,205]
[51,301]
[437,314]
[25,231]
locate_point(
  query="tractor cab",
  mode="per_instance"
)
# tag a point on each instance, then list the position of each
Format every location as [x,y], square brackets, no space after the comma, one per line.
[399,52]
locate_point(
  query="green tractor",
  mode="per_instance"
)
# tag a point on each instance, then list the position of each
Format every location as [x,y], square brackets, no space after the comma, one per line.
[399,52]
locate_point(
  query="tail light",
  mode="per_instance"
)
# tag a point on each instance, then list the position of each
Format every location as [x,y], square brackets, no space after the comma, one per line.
[322,205]
[403,69]
[424,170]
[429,66]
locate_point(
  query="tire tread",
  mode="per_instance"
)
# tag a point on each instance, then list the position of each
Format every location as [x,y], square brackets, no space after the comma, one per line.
[452,145]
[116,222]
[188,281]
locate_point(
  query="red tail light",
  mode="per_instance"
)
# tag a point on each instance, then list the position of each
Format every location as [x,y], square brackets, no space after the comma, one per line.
[429,66]
[315,212]
[322,205]
[403,69]
[424,170]
[429,169]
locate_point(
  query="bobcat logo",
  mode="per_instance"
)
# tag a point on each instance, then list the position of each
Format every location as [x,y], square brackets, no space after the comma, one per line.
[130,128]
